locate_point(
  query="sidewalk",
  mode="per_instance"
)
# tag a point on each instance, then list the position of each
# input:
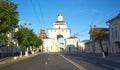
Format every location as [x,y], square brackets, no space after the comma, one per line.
[112,57]
[10,60]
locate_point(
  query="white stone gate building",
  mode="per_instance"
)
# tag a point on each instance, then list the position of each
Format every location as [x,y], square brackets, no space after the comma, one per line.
[59,30]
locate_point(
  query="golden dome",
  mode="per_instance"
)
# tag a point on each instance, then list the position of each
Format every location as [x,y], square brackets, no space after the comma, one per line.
[60,14]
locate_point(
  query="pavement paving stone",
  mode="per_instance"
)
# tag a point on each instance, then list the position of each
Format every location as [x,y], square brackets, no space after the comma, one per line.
[112,57]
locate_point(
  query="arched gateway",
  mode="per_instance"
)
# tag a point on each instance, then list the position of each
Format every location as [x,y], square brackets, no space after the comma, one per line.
[59,30]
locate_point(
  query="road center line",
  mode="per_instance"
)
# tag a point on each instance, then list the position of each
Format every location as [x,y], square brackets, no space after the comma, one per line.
[75,64]
[46,62]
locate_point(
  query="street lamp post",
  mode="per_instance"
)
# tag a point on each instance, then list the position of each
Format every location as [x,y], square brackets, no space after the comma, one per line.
[26,52]
[26,24]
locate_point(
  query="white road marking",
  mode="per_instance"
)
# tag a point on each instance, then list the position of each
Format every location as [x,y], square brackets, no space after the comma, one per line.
[46,62]
[75,64]
[115,68]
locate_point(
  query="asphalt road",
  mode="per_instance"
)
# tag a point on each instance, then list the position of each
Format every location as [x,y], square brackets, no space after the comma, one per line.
[48,61]
[93,63]
[65,61]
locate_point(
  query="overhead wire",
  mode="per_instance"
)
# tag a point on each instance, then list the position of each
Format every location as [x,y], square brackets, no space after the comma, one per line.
[40,10]
[108,17]
[36,13]
[100,22]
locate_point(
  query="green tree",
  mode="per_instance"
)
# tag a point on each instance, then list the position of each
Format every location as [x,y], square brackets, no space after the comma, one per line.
[8,17]
[27,37]
[3,38]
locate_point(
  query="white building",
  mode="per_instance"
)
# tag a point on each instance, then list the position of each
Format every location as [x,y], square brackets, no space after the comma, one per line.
[94,45]
[82,45]
[89,47]
[114,25]
[9,48]
[49,45]
[59,30]
[71,44]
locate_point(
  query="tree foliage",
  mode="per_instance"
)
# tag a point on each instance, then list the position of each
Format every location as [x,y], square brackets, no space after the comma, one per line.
[3,38]
[27,37]
[8,18]
[97,33]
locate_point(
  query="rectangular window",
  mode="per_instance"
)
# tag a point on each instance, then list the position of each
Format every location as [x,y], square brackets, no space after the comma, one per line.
[116,32]
[62,30]
[119,33]
[112,33]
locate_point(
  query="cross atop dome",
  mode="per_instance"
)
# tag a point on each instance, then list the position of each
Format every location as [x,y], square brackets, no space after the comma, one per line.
[60,23]
[60,16]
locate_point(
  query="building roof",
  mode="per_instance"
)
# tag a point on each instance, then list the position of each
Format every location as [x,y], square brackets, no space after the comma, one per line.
[115,18]
[85,41]
[105,29]
[88,42]
[94,36]
[60,14]
[60,23]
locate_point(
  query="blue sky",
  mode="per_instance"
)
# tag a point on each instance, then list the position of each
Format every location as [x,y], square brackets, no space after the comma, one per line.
[78,14]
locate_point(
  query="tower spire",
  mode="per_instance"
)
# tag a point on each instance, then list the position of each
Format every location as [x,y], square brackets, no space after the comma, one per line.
[60,16]
[42,34]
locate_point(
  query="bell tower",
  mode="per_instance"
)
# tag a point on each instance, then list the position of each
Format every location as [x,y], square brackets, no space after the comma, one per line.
[60,17]
[42,34]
